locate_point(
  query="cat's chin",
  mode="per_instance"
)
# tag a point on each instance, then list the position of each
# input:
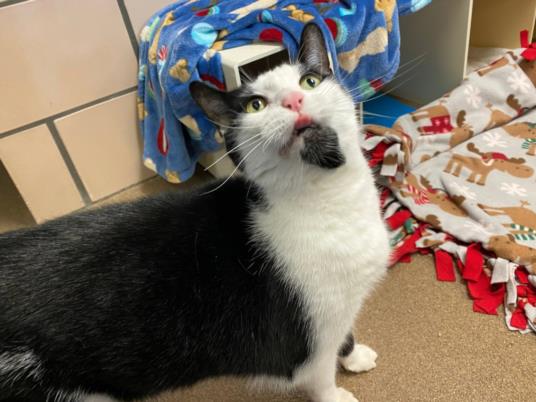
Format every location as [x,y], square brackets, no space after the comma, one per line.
[297,133]
[304,130]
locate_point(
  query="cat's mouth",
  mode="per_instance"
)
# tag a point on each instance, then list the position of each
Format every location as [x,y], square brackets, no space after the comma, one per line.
[299,131]
[302,121]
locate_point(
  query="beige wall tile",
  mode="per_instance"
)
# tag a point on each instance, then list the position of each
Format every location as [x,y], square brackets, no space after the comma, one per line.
[14,214]
[36,167]
[58,54]
[140,11]
[105,146]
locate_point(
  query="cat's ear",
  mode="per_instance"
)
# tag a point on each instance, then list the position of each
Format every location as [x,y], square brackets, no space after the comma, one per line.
[213,103]
[313,51]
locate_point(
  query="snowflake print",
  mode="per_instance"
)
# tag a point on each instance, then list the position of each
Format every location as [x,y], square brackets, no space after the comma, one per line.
[514,189]
[463,190]
[473,96]
[478,229]
[518,82]
[494,140]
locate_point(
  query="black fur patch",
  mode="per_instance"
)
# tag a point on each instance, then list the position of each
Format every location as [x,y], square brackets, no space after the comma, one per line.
[133,299]
[348,346]
[223,108]
[321,148]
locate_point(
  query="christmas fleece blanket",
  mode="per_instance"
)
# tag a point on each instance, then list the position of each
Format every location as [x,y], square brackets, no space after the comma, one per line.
[459,179]
[181,43]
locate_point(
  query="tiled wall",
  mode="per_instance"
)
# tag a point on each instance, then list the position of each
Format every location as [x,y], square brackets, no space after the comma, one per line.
[68,130]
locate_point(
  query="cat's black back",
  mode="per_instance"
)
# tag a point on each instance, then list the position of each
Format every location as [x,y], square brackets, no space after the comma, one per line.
[133,299]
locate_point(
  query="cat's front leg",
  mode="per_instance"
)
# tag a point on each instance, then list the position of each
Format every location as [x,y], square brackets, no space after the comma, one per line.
[320,383]
[356,357]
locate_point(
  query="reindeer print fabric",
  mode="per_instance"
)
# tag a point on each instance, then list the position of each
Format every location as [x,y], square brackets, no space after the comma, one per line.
[465,167]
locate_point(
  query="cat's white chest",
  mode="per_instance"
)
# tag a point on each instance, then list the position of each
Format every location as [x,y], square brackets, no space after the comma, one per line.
[332,248]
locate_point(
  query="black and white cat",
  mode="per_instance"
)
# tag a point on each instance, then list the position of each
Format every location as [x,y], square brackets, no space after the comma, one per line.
[259,277]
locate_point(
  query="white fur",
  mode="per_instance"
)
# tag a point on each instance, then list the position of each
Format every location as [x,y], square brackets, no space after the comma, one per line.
[23,363]
[345,396]
[324,226]
[77,396]
[19,364]
[362,358]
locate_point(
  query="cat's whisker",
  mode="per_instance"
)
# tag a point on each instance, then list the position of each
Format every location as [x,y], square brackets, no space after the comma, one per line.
[246,75]
[327,89]
[268,140]
[401,69]
[398,76]
[337,110]
[271,138]
[232,127]
[270,135]
[343,76]
[364,112]
[420,56]
[231,150]
[245,142]
[235,169]
[391,89]
[375,114]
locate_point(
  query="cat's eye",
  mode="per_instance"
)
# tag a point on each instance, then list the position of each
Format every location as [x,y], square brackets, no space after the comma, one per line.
[310,81]
[255,105]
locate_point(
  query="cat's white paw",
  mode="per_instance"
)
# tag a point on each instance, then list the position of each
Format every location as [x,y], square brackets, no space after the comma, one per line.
[345,396]
[361,359]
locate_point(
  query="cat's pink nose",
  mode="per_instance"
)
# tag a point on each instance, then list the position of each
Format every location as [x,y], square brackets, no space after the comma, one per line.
[293,101]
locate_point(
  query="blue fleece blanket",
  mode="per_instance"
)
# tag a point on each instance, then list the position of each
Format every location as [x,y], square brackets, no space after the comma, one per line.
[180,44]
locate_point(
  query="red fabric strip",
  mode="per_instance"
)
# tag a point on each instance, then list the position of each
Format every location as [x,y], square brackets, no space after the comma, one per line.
[444,266]
[524,38]
[488,306]
[474,262]
[530,48]
[383,196]
[483,289]
[487,297]
[522,276]
[271,35]
[405,259]
[213,80]
[376,155]
[398,219]
[407,247]
[519,320]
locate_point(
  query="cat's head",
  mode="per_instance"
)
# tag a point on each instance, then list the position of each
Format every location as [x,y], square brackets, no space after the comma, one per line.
[292,121]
